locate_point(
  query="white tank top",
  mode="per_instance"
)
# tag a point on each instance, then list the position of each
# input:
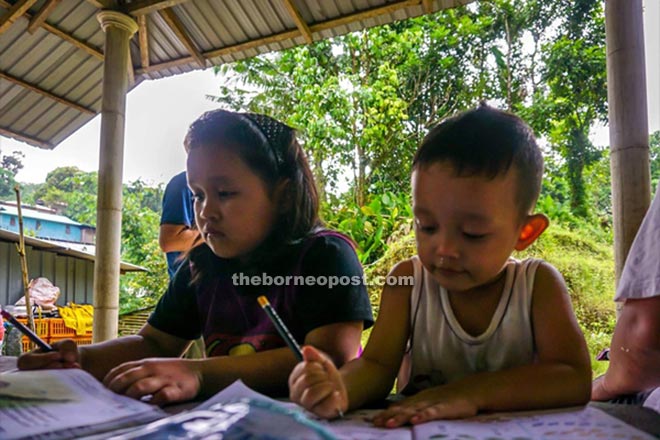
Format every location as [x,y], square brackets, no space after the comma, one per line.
[442,352]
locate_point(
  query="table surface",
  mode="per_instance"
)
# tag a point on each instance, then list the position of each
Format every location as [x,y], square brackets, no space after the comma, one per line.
[642,418]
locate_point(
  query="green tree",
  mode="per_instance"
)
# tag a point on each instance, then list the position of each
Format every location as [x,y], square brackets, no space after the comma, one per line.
[654,151]
[364,100]
[574,95]
[9,166]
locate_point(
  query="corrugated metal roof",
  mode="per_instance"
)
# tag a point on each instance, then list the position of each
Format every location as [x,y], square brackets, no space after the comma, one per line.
[51,79]
[62,248]
[37,215]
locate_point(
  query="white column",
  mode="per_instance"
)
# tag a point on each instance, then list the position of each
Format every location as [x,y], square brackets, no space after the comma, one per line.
[628,121]
[119,29]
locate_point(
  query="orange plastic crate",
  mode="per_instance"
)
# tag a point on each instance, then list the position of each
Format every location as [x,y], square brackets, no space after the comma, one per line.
[79,340]
[57,329]
[41,326]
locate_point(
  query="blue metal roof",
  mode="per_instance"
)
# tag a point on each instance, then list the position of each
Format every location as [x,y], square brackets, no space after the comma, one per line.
[38,215]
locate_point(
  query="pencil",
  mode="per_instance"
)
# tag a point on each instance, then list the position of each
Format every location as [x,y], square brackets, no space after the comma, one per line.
[26,331]
[281,328]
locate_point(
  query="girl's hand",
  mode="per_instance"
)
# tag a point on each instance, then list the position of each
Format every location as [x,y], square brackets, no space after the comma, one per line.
[317,386]
[64,355]
[431,404]
[167,380]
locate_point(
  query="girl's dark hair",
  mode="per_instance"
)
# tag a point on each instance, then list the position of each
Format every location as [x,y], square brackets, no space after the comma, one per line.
[487,141]
[270,149]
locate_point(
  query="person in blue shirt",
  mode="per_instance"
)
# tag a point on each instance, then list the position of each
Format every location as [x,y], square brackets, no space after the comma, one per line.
[177,222]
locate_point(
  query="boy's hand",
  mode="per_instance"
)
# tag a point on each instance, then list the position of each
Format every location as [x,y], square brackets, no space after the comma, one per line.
[167,380]
[431,404]
[317,386]
[64,355]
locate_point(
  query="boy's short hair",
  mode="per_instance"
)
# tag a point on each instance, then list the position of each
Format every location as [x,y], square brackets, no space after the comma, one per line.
[487,141]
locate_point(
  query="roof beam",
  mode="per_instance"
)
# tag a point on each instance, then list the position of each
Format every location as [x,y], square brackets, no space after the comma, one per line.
[228,50]
[47,94]
[370,13]
[130,71]
[14,13]
[366,14]
[25,138]
[141,7]
[143,38]
[300,23]
[63,35]
[179,30]
[41,16]
[428,6]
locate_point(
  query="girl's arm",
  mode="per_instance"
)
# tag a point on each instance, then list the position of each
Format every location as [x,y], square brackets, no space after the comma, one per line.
[172,380]
[268,371]
[316,385]
[560,376]
[98,359]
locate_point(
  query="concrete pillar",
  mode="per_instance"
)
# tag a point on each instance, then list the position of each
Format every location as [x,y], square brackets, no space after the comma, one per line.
[119,29]
[628,121]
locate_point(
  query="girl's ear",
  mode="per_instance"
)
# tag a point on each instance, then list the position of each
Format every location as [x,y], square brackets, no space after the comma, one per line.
[533,227]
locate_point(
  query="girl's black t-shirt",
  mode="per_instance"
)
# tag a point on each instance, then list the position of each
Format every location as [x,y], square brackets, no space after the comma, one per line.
[320,282]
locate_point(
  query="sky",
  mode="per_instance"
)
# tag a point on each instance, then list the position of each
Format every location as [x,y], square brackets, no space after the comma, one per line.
[159,112]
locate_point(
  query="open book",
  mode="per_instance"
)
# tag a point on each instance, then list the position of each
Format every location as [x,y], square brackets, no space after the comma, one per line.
[70,403]
[56,404]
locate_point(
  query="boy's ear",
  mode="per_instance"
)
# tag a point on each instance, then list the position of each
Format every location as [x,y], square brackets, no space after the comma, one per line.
[533,227]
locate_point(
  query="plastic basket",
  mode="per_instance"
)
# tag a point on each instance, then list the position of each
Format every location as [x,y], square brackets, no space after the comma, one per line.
[57,329]
[41,326]
[79,340]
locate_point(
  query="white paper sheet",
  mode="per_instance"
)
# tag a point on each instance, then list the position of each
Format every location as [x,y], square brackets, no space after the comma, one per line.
[354,426]
[653,400]
[94,409]
[575,424]
[34,385]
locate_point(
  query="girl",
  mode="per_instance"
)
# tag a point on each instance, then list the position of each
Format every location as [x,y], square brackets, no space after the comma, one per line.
[256,208]
[482,331]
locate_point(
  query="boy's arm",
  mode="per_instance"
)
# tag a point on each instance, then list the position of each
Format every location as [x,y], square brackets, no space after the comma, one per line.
[560,376]
[319,387]
[371,376]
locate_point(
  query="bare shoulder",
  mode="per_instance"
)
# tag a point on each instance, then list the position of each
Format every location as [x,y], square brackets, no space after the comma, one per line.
[403,268]
[549,280]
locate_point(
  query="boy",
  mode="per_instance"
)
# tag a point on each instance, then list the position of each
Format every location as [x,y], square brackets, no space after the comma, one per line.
[484,332]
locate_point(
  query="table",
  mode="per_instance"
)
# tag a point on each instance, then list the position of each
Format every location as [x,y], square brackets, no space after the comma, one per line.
[644,419]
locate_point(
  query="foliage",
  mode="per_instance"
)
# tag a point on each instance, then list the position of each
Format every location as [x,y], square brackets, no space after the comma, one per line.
[9,166]
[7,184]
[654,147]
[363,101]
[573,94]
[372,224]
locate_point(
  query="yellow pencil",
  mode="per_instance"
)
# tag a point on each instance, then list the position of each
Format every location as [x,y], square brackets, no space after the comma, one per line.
[281,328]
